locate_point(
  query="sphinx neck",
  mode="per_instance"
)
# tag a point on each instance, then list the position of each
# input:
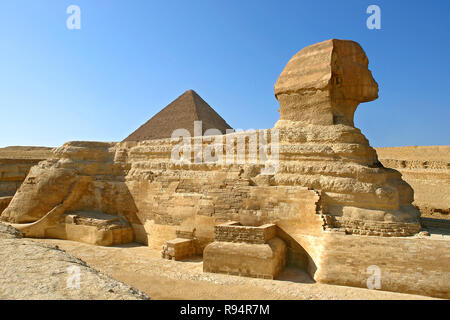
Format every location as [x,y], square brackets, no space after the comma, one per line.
[315,108]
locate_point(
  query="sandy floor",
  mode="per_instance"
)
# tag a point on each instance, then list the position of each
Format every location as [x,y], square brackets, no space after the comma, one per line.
[143,268]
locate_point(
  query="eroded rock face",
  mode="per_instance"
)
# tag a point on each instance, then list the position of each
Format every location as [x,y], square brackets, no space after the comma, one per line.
[44,188]
[318,92]
[324,83]
[81,177]
[427,170]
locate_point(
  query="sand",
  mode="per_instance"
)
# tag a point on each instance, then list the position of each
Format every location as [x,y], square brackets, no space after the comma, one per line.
[143,268]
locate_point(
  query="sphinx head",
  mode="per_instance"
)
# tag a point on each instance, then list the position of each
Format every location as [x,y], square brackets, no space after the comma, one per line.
[351,78]
[324,83]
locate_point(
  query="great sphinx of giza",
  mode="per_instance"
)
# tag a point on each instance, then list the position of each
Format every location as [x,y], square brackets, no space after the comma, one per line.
[319,91]
[334,209]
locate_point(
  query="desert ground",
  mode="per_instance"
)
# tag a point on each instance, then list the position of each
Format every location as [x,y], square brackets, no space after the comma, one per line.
[33,270]
[142,268]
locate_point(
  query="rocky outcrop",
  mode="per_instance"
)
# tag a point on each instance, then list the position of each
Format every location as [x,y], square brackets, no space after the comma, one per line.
[427,170]
[15,163]
[32,270]
[81,177]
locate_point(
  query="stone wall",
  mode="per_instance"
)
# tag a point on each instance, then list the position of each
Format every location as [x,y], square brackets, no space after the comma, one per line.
[12,174]
[15,163]
[234,232]
[244,259]
[427,170]
[408,264]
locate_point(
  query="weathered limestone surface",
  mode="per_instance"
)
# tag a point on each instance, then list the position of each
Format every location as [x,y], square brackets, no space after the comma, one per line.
[32,270]
[235,232]
[407,264]
[4,202]
[81,177]
[178,249]
[252,251]
[12,174]
[83,226]
[427,170]
[15,163]
[324,83]
[243,259]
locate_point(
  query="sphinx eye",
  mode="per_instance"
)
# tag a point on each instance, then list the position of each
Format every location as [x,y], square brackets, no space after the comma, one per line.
[337,80]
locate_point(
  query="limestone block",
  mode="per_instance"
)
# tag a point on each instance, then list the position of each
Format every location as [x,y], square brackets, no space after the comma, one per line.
[178,249]
[97,228]
[235,232]
[43,189]
[406,264]
[244,259]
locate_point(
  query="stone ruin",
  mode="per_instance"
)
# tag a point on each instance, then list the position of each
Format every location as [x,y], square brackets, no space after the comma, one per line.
[330,209]
[252,251]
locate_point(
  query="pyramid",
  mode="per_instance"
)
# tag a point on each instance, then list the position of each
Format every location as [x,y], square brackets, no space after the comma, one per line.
[180,113]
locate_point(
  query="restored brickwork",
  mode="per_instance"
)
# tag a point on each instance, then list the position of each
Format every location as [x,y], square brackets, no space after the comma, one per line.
[178,249]
[407,264]
[246,251]
[234,232]
[375,228]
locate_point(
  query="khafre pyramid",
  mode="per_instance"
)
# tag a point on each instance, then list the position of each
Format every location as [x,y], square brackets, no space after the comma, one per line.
[180,114]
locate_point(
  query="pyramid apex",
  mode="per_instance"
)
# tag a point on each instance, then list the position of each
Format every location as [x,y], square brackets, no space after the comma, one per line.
[180,114]
[190,92]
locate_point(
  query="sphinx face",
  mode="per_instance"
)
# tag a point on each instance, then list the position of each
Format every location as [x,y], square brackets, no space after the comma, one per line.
[352,79]
[324,84]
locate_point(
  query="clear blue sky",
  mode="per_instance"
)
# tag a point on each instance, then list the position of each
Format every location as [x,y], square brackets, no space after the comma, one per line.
[131,58]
